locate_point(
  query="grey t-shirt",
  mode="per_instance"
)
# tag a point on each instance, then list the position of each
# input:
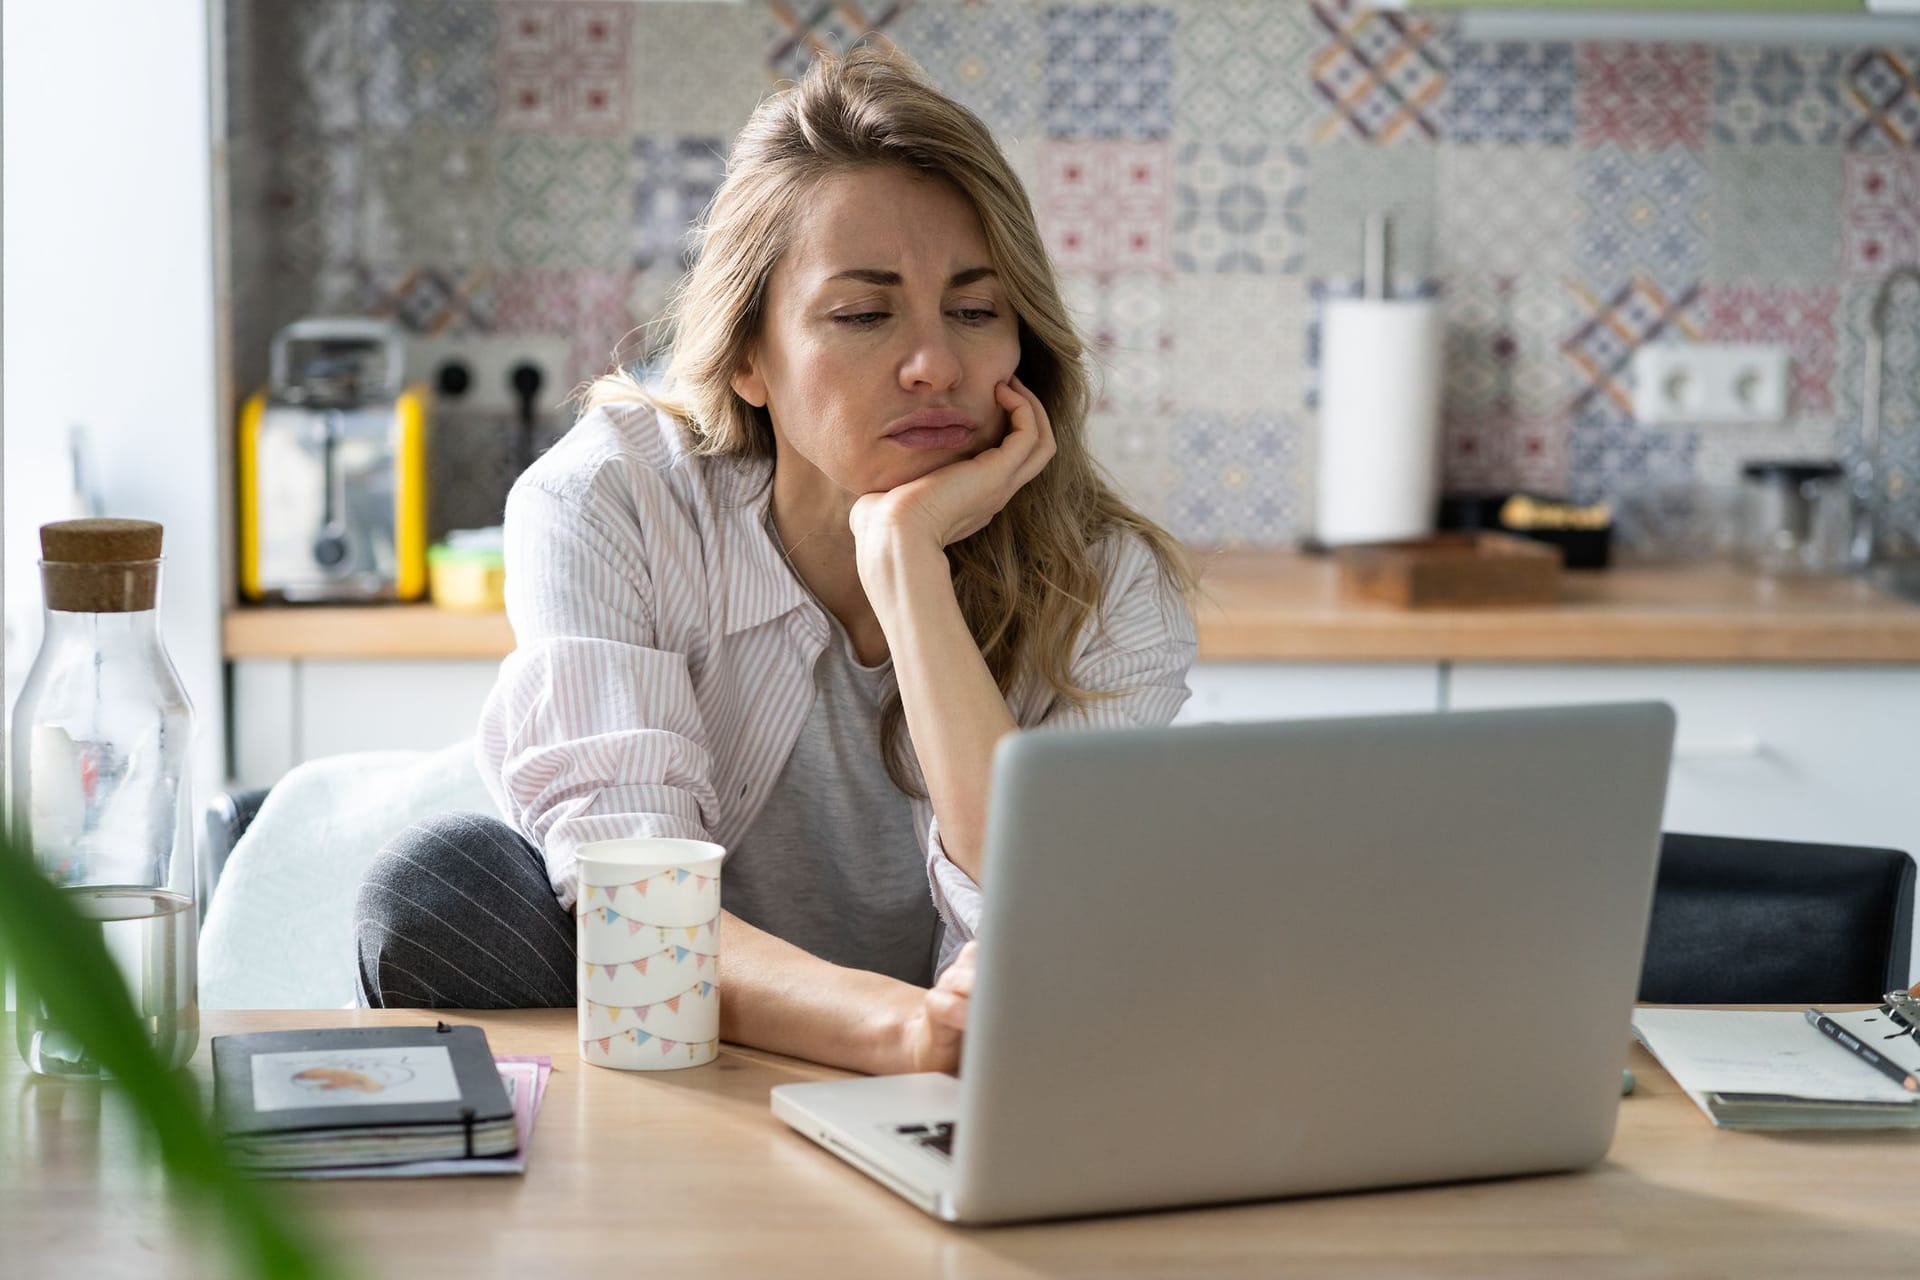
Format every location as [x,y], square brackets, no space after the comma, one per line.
[832,864]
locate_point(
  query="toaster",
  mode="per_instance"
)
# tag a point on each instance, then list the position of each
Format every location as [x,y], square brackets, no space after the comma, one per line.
[332,468]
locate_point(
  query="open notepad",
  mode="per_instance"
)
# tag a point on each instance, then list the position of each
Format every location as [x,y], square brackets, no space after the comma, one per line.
[1775,1071]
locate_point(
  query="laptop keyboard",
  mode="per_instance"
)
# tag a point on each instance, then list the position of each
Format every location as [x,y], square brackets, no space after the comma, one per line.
[937,1138]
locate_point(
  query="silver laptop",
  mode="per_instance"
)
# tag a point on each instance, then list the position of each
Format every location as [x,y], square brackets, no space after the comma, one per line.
[1234,962]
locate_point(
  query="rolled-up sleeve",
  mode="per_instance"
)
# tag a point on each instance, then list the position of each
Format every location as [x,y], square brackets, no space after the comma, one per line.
[591,731]
[1134,657]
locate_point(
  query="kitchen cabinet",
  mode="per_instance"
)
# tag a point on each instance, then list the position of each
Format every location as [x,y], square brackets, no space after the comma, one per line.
[1296,690]
[1817,753]
[1795,753]
[1789,751]
[291,710]
[1774,750]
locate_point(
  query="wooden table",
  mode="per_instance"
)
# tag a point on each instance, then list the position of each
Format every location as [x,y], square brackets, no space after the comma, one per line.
[686,1174]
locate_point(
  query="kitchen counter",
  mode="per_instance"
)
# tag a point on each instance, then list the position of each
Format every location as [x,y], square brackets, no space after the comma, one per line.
[1265,606]
[1282,607]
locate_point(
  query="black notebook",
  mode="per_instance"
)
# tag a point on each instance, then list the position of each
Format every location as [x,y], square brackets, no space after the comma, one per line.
[360,1095]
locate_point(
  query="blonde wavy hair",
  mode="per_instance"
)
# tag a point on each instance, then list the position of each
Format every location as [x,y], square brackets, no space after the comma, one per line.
[1027,582]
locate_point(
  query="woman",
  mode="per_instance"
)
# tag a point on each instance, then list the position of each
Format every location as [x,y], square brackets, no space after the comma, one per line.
[790,603]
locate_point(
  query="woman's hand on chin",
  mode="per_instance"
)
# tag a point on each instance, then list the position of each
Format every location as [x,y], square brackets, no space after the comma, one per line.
[958,500]
[930,1038]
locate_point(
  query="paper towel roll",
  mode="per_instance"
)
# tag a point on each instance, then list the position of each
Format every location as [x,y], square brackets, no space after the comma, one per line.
[1379,467]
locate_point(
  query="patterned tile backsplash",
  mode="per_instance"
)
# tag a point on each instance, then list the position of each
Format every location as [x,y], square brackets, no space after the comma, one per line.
[1200,168]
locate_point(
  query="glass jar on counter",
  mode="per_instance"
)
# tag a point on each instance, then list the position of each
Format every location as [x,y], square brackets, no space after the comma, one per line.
[101,738]
[1796,516]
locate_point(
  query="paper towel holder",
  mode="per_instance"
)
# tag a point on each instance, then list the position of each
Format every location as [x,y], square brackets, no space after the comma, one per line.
[1376,246]
[1378,472]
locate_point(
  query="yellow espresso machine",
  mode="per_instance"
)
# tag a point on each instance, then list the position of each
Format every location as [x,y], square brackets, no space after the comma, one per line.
[332,463]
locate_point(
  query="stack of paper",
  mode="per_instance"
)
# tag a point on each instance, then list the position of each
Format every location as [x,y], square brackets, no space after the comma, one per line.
[526,1081]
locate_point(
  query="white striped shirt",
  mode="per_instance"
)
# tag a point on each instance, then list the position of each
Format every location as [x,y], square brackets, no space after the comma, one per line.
[666,653]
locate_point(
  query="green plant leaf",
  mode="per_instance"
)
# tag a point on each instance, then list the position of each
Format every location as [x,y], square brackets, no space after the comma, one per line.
[62,962]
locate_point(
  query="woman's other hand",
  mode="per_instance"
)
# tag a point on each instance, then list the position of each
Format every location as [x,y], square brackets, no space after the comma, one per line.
[959,499]
[931,1036]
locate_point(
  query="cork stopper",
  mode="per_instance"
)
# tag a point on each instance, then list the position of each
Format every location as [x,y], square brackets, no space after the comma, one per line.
[100,541]
[100,566]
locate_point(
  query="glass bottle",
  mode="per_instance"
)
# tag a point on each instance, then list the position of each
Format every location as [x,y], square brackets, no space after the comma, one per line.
[100,754]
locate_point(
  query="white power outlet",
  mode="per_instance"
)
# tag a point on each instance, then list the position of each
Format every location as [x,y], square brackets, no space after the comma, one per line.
[1707,382]
[490,360]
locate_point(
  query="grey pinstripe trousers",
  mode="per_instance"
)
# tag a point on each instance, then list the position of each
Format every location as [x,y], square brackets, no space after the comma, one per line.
[456,913]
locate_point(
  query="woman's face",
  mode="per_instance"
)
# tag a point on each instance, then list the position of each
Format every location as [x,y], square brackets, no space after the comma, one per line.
[884,332]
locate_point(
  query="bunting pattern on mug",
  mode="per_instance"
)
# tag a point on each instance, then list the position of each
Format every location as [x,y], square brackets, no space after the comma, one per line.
[671,950]
[607,915]
[694,1048]
[680,875]
[640,1011]
[679,954]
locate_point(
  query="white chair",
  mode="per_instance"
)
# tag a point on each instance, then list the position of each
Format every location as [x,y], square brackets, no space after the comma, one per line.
[279,925]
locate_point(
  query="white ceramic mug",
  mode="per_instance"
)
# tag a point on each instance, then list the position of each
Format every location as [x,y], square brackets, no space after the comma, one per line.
[647,942]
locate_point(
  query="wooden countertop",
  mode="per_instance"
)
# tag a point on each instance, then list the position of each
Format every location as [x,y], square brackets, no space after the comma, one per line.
[364,631]
[688,1174]
[1266,606]
[1279,606]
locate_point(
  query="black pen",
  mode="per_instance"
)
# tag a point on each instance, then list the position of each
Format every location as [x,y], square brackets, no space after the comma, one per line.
[1842,1037]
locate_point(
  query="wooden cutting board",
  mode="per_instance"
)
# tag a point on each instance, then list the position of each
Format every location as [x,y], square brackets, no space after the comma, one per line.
[1451,570]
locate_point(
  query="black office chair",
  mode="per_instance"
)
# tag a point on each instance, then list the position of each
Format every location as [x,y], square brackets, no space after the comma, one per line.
[1767,922]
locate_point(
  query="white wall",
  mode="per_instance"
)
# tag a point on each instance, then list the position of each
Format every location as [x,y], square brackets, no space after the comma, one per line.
[109,309]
